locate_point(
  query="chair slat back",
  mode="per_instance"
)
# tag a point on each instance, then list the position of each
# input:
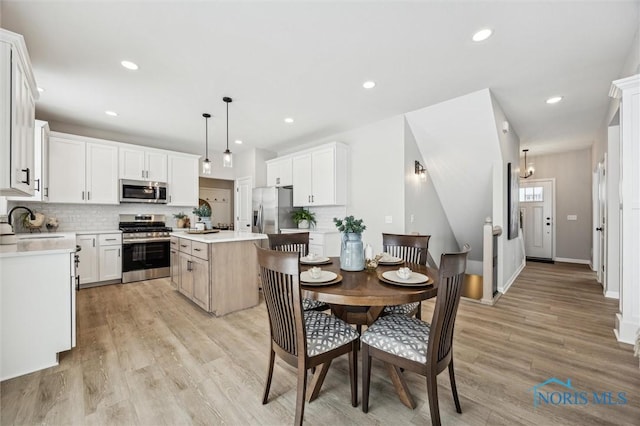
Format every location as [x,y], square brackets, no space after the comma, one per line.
[450,281]
[410,248]
[279,273]
[298,241]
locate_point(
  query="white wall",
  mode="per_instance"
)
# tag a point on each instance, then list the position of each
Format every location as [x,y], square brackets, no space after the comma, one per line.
[459,145]
[422,202]
[511,257]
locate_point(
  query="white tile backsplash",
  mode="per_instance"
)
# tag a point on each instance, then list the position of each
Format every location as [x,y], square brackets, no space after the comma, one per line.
[325,215]
[92,217]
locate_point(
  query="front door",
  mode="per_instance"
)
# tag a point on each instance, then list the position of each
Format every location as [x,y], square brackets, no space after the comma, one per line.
[536,206]
[243,188]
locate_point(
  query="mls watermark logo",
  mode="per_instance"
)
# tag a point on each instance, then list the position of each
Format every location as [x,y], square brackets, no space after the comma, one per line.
[568,395]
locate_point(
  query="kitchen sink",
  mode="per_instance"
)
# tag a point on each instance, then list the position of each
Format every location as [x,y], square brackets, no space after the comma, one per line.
[37,237]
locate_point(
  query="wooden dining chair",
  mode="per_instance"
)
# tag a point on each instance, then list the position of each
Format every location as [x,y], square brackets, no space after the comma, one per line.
[299,242]
[303,339]
[411,249]
[418,346]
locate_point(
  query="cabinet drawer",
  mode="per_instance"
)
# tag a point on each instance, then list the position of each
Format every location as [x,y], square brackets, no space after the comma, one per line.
[185,246]
[109,239]
[200,250]
[175,243]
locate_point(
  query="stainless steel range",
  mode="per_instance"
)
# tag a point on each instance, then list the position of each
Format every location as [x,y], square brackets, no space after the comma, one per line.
[145,247]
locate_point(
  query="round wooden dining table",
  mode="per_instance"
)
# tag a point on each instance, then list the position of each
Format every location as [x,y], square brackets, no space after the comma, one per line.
[360,297]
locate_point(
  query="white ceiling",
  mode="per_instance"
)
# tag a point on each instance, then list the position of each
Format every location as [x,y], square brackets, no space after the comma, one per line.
[308,60]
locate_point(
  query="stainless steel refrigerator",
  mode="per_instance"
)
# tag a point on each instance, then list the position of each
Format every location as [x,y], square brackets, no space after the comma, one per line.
[272,209]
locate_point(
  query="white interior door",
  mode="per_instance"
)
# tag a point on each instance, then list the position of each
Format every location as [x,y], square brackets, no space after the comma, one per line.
[536,206]
[243,188]
[601,229]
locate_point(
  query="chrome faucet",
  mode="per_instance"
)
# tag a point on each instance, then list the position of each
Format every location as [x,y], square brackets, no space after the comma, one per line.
[32,216]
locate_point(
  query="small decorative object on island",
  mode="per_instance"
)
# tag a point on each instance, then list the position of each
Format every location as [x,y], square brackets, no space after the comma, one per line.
[204,215]
[303,218]
[180,219]
[351,252]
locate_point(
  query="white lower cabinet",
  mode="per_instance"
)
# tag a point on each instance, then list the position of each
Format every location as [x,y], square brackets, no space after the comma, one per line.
[37,311]
[321,243]
[100,258]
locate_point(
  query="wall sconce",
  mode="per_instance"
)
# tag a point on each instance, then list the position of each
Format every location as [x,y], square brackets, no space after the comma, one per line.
[421,171]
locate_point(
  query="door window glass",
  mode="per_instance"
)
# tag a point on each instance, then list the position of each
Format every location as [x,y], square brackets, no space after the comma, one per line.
[532,194]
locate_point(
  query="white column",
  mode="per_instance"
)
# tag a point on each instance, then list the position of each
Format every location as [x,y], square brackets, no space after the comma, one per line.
[628,319]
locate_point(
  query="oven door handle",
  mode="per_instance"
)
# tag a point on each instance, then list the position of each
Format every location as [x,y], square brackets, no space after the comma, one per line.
[147,240]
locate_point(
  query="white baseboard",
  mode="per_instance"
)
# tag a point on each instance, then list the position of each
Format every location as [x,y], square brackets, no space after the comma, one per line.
[612,294]
[568,260]
[505,287]
[625,330]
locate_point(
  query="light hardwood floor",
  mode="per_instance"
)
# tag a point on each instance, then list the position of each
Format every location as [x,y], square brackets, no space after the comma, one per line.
[148,356]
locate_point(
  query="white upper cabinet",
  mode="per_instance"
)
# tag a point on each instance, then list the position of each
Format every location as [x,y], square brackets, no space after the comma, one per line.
[279,172]
[17,116]
[41,164]
[183,180]
[319,176]
[141,164]
[82,172]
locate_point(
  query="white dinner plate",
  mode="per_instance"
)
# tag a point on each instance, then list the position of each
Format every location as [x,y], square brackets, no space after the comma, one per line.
[387,259]
[315,260]
[414,279]
[324,277]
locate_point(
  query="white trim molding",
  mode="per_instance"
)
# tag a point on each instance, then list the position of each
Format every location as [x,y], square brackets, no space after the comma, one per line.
[513,277]
[569,260]
[612,295]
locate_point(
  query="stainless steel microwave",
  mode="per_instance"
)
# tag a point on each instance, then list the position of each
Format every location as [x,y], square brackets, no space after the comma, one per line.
[135,191]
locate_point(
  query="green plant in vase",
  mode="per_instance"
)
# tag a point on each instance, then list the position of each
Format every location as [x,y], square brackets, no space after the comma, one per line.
[204,215]
[303,218]
[351,252]
[180,219]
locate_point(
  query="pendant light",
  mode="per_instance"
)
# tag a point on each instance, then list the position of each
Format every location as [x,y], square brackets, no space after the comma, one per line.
[227,157]
[206,164]
[529,170]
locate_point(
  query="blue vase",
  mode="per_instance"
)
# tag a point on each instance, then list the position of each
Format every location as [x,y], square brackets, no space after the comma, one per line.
[352,253]
[207,222]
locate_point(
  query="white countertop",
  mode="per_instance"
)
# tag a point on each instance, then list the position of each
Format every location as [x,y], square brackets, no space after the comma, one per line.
[220,237]
[318,230]
[36,244]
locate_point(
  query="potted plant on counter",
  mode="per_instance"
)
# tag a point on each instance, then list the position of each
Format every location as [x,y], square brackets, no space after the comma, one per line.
[351,252]
[303,218]
[180,219]
[204,215]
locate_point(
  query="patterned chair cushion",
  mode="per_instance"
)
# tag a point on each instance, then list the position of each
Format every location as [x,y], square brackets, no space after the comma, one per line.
[405,309]
[400,335]
[309,304]
[326,332]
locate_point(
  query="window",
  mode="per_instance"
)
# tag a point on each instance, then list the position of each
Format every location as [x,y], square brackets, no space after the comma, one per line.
[531,194]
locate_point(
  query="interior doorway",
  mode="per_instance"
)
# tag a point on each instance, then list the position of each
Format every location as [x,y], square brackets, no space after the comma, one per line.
[537,210]
[243,213]
[218,194]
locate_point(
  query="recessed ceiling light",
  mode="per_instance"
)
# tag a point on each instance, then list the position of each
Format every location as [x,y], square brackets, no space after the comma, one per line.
[129,65]
[111,113]
[369,84]
[40,89]
[238,141]
[288,120]
[483,34]
[554,99]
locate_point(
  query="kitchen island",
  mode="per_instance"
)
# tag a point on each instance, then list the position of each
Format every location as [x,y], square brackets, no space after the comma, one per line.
[37,302]
[216,271]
